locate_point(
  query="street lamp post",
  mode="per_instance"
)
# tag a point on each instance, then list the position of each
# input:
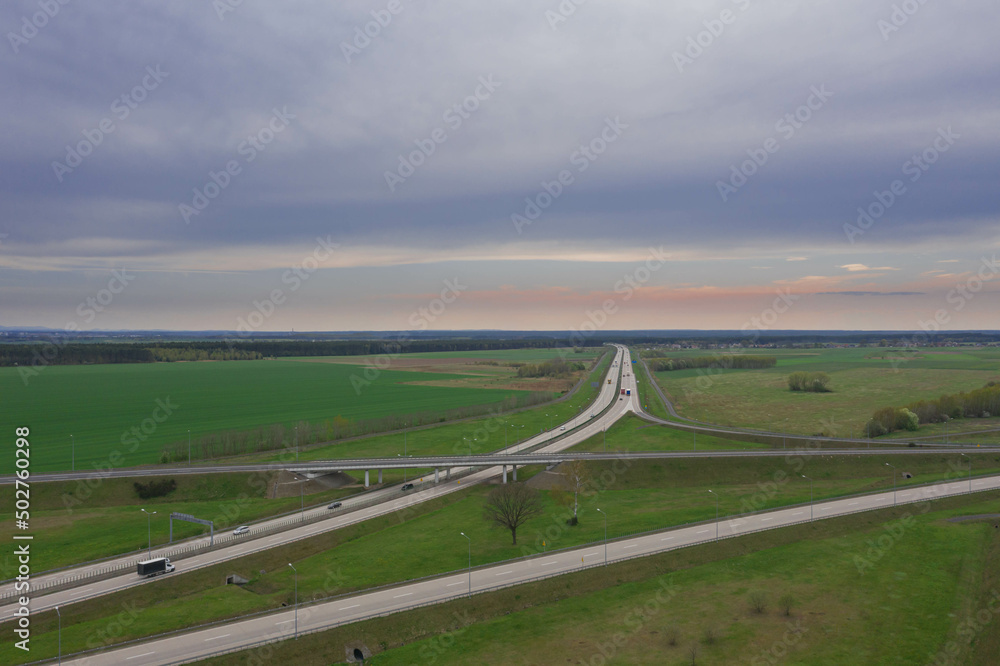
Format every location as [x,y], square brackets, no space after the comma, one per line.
[470,562]
[296,599]
[296,443]
[302,499]
[189,448]
[716,514]
[893,482]
[550,421]
[970,470]
[72,442]
[149,532]
[810,496]
[604,432]
[59,616]
[605,537]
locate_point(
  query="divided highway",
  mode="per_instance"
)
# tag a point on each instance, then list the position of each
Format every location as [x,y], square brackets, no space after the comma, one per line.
[280,625]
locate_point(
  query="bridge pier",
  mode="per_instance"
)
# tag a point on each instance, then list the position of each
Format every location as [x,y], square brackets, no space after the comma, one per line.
[505,473]
[514,467]
[436,479]
[366,479]
[380,477]
[447,474]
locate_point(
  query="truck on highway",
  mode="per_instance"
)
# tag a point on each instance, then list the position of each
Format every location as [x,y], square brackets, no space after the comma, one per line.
[628,392]
[154,567]
[623,391]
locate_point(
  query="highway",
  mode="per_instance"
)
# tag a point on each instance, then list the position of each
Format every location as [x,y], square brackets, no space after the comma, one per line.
[578,429]
[280,625]
[546,448]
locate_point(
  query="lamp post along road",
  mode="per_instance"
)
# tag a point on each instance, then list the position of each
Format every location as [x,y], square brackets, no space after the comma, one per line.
[716,514]
[189,448]
[810,496]
[296,600]
[149,533]
[72,442]
[59,616]
[893,482]
[970,470]
[605,537]
[470,563]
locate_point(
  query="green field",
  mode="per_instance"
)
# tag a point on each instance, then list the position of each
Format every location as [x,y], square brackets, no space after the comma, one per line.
[862,380]
[100,404]
[631,433]
[476,435]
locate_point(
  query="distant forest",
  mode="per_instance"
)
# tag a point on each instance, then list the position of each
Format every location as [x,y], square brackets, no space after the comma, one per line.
[74,353]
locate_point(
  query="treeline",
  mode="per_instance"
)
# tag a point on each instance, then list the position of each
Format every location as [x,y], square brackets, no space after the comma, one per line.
[556,368]
[169,354]
[812,382]
[277,437]
[61,352]
[979,403]
[725,361]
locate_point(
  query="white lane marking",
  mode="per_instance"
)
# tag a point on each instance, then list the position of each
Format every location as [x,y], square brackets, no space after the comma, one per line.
[349,607]
[635,545]
[703,531]
[825,508]
[852,503]
[285,621]
[798,513]
[666,538]
[144,654]
[461,582]
[77,593]
[400,596]
[213,638]
[764,520]
[503,573]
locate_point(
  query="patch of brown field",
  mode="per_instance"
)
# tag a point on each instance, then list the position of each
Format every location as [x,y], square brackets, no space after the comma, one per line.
[403,362]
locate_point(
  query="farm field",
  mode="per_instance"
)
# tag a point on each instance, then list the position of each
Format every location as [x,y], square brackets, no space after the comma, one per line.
[862,380]
[644,496]
[476,435]
[166,400]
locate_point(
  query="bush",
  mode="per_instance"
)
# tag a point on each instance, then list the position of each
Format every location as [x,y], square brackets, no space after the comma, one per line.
[155,488]
[758,602]
[786,602]
[812,382]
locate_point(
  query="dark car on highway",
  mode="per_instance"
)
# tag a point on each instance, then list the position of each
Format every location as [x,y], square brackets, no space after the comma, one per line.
[407,486]
[335,505]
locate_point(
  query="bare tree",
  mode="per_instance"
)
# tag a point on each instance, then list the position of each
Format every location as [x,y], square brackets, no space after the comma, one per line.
[575,480]
[758,602]
[510,505]
[786,603]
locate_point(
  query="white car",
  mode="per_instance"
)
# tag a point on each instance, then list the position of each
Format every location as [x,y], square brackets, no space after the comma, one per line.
[562,428]
[242,529]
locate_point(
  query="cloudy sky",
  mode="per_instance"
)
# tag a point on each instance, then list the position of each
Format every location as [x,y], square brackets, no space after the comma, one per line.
[524,165]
